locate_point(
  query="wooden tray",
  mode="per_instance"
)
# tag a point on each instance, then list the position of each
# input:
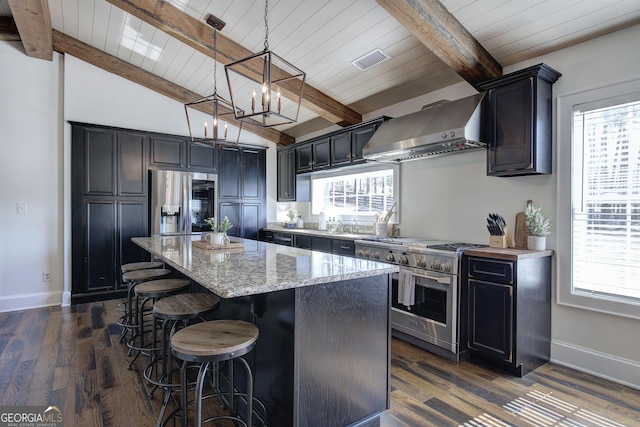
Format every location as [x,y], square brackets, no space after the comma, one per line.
[206,245]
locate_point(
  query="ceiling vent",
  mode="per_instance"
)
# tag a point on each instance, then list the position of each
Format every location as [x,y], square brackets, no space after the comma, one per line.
[370,59]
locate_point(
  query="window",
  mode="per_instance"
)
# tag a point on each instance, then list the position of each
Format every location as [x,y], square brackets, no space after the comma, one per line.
[603,227]
[360,192]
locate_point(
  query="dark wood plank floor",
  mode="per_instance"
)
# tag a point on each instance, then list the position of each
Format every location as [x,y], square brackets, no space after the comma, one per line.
[70,357]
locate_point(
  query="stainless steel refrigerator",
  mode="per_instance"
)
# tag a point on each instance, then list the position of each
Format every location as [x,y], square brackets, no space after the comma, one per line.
[181,201]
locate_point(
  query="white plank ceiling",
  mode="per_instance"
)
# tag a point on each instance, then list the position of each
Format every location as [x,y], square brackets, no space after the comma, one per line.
[323,37]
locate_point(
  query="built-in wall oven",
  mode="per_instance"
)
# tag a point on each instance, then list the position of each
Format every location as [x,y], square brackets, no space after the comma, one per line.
[427,300]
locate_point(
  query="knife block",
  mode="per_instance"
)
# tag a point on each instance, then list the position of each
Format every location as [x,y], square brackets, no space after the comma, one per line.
[504,241]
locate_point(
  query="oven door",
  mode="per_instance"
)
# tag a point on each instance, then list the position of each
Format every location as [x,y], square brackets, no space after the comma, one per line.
[433,316]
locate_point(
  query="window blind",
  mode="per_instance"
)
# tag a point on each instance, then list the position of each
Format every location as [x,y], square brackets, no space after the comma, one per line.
[606,199]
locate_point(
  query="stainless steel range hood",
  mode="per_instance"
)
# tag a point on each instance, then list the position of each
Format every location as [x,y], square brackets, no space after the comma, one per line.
[450,127]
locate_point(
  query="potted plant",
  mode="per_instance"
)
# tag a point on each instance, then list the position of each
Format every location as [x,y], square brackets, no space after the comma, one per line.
[539,227]
[218,234]
[292,219]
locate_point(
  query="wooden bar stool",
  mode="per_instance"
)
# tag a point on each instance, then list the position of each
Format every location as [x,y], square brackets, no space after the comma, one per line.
[132,266]
[146,292]
[174,312]
[132,279]
[212,342]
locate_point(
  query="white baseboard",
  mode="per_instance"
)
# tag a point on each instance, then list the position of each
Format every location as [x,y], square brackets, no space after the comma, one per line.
[27,301]
[603,365]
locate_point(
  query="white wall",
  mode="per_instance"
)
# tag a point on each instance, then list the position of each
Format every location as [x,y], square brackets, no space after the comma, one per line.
[31,172]
[449,198]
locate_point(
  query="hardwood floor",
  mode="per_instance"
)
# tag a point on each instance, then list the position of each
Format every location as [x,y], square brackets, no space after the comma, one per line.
[70,357]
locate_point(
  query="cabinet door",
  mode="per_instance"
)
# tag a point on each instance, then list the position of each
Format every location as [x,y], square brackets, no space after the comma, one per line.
[286,176]
[321,154]
[132,219]
[167,151]
[132,176]
[229,173]
[252,220]
[100,246]
[232,211]
[99,162]
[252,174]
[511,128]
[303,241]
[321,244]
[202,157]
[491,319]
[304,158]
[341,149]
[359,139]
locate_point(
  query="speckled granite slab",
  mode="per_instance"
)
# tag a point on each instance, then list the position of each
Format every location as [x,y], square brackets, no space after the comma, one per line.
[260,268]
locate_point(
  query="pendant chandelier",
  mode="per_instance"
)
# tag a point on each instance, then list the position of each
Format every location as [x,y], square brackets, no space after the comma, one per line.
[214,105]
[265,89]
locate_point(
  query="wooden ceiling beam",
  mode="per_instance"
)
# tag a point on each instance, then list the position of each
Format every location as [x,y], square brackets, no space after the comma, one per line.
[8,29]
[33,21]
[199,36]
[442,33]
[64,44]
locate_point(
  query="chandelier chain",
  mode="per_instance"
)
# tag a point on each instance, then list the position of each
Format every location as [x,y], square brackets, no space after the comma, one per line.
[215,61]
[266,25]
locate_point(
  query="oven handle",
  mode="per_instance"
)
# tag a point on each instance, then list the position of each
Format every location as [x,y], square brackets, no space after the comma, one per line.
[445,280]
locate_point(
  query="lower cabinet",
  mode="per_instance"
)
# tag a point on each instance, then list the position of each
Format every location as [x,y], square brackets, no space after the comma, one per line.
[509,310]
[247,218]
[103,244]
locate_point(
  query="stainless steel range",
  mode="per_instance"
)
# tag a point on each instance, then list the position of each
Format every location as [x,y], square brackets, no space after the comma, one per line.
[427,297]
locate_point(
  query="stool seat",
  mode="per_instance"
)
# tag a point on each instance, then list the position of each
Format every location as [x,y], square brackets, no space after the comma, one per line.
[161,287]
[146,274]
[214,338]
[185,306]
[140,266]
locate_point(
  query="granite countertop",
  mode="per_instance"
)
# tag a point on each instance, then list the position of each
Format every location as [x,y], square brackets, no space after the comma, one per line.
[320,233]
[513,254]
[257,267]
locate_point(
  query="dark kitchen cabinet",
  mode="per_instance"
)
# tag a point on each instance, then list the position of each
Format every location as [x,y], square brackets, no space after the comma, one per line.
[304,158]
[303,241]
[341,149]
[517,123]
[360,137]
[509,308]
[108,204]
[168,152]
[202,156]
[343,247]
[321,244]
[286,175]
[242,185]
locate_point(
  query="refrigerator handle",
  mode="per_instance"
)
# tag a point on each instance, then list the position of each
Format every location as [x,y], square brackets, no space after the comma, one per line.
[186,204]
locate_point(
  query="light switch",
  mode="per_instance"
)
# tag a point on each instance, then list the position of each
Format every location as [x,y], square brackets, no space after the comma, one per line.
[22,208]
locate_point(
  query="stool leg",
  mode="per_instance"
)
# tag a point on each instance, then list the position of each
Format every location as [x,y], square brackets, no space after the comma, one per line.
[183,397]
[197,417]
[249,391]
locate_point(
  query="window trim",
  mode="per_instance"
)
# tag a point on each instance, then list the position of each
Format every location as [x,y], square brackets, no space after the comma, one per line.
[369,167]
[564,294]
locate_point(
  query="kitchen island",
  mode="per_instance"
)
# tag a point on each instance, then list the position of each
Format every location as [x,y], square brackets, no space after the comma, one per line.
[322,358]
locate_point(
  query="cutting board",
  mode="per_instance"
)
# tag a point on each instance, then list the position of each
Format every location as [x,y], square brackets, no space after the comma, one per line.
[521,231]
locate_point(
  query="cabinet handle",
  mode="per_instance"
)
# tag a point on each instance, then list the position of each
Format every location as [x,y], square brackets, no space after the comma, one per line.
[345,247]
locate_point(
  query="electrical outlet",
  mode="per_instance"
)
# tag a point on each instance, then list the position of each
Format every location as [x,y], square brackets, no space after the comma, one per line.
[21,208]
[46,276]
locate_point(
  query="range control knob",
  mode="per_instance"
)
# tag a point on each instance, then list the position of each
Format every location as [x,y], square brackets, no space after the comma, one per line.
[375,255]
[389,257]
[359,252]
[404,260]
[445,266]
[422,263]
[366,253]
[435,265]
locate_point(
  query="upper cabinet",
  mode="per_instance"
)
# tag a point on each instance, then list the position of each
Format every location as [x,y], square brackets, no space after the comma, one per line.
[168,151]
[287,175]
[202,157]
[517,123]
[335,149]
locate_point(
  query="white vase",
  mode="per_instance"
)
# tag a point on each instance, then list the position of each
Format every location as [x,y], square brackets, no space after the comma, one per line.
[217,238]
[537,243]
